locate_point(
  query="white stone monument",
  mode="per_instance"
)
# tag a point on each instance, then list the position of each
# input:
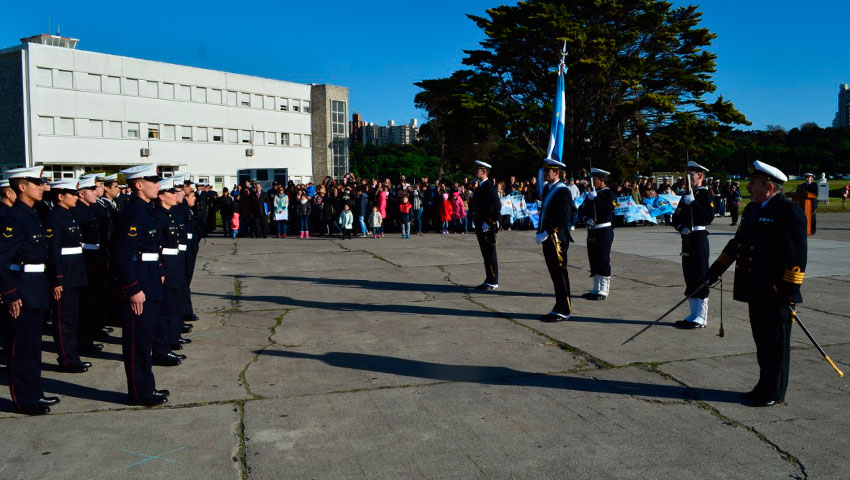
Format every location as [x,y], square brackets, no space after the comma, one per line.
[823,189]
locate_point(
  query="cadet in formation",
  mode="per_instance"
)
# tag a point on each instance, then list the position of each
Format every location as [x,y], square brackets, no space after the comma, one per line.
[769,249]
[553,234]
[487,206]
[598,213]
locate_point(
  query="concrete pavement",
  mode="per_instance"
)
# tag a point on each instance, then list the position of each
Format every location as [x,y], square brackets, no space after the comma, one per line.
[371,358]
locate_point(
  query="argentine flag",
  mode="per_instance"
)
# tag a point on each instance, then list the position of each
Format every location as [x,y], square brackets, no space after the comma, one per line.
[559,113]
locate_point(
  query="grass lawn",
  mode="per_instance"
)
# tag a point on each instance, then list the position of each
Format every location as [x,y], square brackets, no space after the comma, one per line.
[834,204]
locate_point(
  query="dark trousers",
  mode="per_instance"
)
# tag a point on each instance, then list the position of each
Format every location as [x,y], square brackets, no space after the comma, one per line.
[226,218]
[695,263]
[92,314]
[559,275]
[66,316]
[168,326]
[185,305]
[487,242]
[771,325]
[599,241]
[261,223]
[733,210]
[23,349]
[137,344]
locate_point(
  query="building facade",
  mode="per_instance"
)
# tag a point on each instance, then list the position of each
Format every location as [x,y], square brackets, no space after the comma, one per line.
[842,116]
[74,111]
[369,133]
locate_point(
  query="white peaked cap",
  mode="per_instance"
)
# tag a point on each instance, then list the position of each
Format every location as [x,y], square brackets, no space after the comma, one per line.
[140,171]
[549,162]
[87,182]
[25,172]
[166,183]
[763,169]
[599,172]
[64,184]
[692,165]
[111,178]
[4,183]
[479,163]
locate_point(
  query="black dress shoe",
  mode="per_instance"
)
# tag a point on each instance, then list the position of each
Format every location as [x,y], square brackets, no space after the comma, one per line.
[169,360]
[179,356]
[162,393]
[486,286]
[175,346]
[553,317]
[78,368]
[107,329]
[48,401]
[185,328]
[36,409]
[86,364]
[191,318]
[751,395]
[686,325]
[184,341]
[153,401]
[94,348]
[762,402]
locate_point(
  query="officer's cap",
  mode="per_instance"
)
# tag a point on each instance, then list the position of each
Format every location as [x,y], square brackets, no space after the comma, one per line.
[4,183]
[761,169]
[552,163]
[147,171]
[479,163]
[68,184]
[98,176]
[166,184]
[123,185]
[32,174]
[87,182]
[598,172]
[695,167]
[47,177]
[808,174]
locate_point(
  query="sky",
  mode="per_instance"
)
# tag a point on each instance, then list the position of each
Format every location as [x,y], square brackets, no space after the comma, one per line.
[779,62]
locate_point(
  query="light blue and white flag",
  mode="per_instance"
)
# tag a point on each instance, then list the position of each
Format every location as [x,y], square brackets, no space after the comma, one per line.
[559,114]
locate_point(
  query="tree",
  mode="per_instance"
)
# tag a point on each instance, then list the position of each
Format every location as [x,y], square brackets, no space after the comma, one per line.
[636,68]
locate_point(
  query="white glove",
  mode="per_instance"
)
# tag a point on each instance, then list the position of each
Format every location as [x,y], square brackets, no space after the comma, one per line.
[590,221]
[485,227]
[688,199]
[541,237]
[686,231]
[591,194]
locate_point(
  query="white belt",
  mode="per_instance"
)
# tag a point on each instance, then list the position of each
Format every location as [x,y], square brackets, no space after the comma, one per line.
[189,236]
[72,250]
[29,268]
[150,257]
[687,231]
[602,225]
[181,247]
[91,246]
[170,251]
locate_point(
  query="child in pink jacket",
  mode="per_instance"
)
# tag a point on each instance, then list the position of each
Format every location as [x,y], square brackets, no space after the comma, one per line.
[234,224]
[458,213]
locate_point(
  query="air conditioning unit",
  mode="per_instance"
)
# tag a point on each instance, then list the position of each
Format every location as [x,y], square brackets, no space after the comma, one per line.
[249,152]
[145,152]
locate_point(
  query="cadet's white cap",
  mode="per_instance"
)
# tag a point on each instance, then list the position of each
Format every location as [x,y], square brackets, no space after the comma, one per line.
[166,184]
[552,163]
[808,174]
[141,171]
[4,183]
[111,178]
[479,163]
[30,173]
[98,176]
[87,182]
[761,169]
[598,172]
[64,184]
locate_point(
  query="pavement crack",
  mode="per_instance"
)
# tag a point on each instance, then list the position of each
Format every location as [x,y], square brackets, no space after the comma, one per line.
[235,247]
[243,374]
[241,457]
[378,257]
[237,292]
[341,246]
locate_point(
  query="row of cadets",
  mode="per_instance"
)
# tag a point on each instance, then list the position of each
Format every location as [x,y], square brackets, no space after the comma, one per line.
[25,292]
[91,305]
[99,279]
[193,243]
[598,212]
[141,274]
[174,265]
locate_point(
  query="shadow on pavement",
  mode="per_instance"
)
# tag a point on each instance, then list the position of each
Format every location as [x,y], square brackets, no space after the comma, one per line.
[488,375]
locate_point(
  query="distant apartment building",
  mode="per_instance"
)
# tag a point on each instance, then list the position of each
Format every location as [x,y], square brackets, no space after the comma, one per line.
[368,133]
[74,111]
[842,116]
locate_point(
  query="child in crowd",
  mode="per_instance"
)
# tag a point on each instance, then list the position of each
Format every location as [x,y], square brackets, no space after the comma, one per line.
[346,221]
[234,224]
[458,213]
[404,207]
[302,211]
[445,213]
[376,221]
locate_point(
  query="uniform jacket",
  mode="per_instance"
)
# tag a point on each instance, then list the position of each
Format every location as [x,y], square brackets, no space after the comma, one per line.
[701,210]
[170,239]
[486,204]
[604,206]
[23,242]
[62,232]
[770,250]
[137,233]
[558,212]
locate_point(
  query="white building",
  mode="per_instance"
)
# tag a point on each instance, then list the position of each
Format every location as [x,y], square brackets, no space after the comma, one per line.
[75,111]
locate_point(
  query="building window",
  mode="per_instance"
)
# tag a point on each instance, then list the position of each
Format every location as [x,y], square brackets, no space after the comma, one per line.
[63,79]
[44,77]
[183,92]
[113,130]
[215,96]
[112,85]
[153,131]
[200,133]
[203,179]
[131,86]
[231,98]
[199,94]
[245,136]
[96,128]
[186,134]
[268,103]
[232,136]
[296,139]
[93,82]
[339,138]
[64,126]
[218,180]
[168,132]
[306,106]
[148,89]
[296,105]
[259,138]
[284,139]
[284,104]
[45,125]
[217,134]
[271,138]
[256,101]
[132,130]
[245,99]
[308,140]
[167,91]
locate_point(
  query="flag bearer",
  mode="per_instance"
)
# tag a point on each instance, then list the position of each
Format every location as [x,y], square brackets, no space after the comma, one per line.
[554,235]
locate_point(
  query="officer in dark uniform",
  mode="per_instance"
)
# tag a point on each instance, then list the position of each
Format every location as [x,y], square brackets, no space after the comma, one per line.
[202,209]
[66,271]
[104,229]
[598,211]
[113,309]
[175,267]
[7,199]
[770,250]
[811,186]
[487,208]
[91,294]
[179,213]
[193,242]
[45,205]
[24,288]
[553,234]
[694,212]
[141,274]
[122,197]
